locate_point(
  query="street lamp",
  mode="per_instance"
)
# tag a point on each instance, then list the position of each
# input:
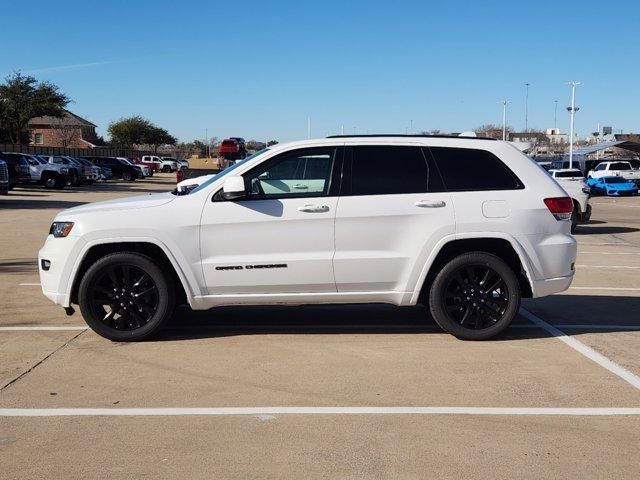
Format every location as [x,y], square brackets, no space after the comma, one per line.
[526,109]
[572,112]
[504,119]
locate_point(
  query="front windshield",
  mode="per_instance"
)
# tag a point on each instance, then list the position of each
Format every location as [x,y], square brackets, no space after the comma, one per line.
[228,170]
[125,161]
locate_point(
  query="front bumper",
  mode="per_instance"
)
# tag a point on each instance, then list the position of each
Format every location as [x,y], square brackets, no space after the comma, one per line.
[63,255]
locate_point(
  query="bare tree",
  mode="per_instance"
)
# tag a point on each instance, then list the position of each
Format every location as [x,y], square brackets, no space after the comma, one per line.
[65,134]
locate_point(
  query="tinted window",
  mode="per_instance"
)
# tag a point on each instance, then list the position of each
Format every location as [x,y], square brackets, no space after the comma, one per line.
[466,169]
[620,166]
[384,170]
[569,174]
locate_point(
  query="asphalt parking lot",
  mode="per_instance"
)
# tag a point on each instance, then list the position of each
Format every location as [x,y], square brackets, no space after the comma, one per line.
[322,392]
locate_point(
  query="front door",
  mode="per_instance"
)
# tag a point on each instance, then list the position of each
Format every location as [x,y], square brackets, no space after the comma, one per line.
[280,238]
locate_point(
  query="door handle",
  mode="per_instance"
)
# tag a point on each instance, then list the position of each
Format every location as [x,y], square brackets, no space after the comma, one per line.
[314,208]
[430,203]
[300,187]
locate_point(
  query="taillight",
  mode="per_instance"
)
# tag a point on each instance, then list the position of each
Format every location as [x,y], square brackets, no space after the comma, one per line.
[560,207]
[179,175]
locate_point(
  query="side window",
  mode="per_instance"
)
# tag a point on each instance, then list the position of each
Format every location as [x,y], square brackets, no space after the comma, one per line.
[466,169]
[600,167]
[299,173]
[386,170]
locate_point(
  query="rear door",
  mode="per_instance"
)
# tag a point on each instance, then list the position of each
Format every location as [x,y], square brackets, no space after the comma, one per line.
[392,212]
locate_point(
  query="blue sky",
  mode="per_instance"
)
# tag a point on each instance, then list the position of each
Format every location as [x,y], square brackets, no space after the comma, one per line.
[259,69]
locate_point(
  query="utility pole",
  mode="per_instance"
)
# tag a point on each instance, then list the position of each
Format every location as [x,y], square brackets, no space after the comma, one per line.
[572,111]
[504,119]
[555,115]
[526,109]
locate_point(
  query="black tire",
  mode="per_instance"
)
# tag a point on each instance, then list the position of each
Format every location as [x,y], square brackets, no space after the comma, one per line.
[127,176]
[470,305]
[49,181]
[60,183]
[574,217]
[166,169]
[139,297]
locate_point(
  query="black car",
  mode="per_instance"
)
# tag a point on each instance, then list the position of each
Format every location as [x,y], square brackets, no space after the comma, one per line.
[18,168]
[119,168]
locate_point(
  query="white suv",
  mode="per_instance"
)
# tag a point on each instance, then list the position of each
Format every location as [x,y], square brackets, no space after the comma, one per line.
[465,226]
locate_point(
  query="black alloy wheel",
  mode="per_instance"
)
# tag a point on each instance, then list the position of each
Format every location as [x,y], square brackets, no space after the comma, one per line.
[475,296]
[126,296]
[127,176]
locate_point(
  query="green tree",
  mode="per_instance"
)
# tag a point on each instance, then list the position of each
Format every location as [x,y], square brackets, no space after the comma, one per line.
[22,98]
[128,132]
[156,136]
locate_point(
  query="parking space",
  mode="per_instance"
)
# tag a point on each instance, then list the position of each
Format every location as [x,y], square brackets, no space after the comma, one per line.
[435,406]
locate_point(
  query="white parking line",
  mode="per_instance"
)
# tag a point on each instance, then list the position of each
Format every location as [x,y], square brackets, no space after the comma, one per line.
[607,266]
[588,352]
[586,326]
[613,289]
[43,328]
[611,253]
[29,284]
[235,411]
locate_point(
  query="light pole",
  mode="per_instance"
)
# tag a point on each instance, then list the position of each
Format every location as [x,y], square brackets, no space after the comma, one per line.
[504,119]
[572,111]
[555,115]
[526,109]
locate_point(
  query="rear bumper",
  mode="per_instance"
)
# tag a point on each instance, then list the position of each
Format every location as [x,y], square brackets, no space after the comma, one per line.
[549,286]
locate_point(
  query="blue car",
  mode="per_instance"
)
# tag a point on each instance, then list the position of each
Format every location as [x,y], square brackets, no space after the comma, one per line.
[612,186]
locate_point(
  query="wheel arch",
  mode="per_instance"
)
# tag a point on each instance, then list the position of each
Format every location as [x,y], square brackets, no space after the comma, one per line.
[155,251]
[501,247]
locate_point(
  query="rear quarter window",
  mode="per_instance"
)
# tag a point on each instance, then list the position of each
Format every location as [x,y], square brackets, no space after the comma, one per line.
[466,169]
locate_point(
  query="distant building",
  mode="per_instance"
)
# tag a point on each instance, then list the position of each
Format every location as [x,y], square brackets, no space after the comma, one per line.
[71,131]
[555,137]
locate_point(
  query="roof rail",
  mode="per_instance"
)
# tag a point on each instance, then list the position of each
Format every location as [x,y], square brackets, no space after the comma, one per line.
[377,135]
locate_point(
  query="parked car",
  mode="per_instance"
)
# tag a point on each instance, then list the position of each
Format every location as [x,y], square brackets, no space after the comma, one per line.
[165,166]
[573,182]
[119,168]
[188,179]
[612,186]
[465,226]
[145,170]
[4,178]
[181,163]
[231,149]
[77,174]
[91,172]
[615,169]
[105,173]
[48,174]
[153,167]
[18,168]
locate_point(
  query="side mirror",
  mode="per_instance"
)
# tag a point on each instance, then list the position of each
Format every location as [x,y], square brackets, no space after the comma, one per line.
[233,188]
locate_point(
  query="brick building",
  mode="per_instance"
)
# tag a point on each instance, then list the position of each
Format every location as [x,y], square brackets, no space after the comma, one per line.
[70,131]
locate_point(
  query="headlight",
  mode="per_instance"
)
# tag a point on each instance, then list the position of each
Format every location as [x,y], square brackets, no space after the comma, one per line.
[60,229]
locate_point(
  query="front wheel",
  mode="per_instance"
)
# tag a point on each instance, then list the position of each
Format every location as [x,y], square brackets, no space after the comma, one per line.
[126,297]
[475,296]
[127,177]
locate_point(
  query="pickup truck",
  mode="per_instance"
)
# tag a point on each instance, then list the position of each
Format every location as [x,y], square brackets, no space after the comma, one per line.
[616,169]
[573,182]
[162,164]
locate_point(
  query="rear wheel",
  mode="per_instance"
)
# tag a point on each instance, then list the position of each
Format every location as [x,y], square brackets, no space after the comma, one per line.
[475,296]
[60,183]
[126,297]
[574,216]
